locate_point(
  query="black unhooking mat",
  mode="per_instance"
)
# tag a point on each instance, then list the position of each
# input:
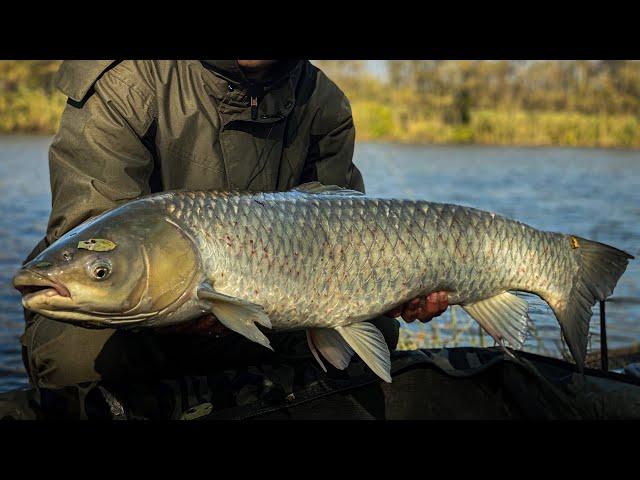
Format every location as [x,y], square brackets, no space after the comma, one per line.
[455,383]
[459,383]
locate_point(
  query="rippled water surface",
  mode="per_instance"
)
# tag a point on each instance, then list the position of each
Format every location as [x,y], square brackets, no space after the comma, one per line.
[590,193]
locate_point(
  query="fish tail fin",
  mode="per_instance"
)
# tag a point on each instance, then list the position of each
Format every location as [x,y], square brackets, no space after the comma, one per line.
[600,268]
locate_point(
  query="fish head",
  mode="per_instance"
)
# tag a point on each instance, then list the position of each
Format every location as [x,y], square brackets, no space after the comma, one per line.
[115,271]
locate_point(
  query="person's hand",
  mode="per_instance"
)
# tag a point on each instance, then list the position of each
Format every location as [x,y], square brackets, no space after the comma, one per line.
[422,308]
[207,325]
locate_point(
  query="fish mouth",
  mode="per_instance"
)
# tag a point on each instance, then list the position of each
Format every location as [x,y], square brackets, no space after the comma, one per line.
[31,284]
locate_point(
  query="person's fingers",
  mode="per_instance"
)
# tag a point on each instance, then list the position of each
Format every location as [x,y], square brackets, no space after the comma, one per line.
[426,313]
[408,312]
[395,313]
[432,308]
[408,315]
[436,303]
[443,300]
[412,308]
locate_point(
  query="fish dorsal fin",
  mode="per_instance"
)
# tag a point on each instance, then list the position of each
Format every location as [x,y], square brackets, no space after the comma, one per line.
[236,314]
[331,345]
[317,187]
[368,342]
[504,317]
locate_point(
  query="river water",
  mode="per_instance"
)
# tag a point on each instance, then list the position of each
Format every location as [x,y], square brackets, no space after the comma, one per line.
[590,193]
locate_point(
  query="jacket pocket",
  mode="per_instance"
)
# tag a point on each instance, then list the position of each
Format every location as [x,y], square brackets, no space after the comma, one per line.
[185,168]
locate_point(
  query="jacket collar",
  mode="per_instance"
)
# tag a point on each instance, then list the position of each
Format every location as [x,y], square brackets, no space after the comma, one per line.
[233,91]
[231,71]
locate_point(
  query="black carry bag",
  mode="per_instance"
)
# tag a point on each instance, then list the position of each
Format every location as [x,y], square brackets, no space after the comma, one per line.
[430,384]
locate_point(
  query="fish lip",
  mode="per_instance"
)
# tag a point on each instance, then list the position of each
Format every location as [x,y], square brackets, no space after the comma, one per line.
[29,283]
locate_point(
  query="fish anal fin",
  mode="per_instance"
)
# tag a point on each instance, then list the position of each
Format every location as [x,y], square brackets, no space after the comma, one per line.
[369,343]
[504,317]
[317,187]
[236,314]
[331,345]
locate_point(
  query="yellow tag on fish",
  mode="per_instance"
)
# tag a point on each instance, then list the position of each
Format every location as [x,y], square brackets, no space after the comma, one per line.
[97,244]
[575,243]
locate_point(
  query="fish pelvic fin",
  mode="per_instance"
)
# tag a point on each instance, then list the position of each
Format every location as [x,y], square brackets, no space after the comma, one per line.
[504,317]
[600,268]
[238,315]
[331,345]
[368,342]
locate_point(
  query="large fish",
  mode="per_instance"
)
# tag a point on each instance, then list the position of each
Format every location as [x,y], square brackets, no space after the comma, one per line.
[319,258]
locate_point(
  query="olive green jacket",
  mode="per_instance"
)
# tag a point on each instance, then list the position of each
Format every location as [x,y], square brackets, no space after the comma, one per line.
[134,127]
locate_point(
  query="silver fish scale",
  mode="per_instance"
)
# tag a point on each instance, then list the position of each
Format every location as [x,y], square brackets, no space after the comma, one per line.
[327,260]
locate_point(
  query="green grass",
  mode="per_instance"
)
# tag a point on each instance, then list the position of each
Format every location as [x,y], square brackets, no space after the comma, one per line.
[30,111]
[490,127]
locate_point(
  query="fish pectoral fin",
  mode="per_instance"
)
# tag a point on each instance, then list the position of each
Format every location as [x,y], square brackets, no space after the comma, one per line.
[331,345]
[504,317]
[238,315]
[368,342]
[317,187]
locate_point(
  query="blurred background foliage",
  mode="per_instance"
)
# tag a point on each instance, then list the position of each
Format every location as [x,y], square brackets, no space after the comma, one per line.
[573,103]
[29,101]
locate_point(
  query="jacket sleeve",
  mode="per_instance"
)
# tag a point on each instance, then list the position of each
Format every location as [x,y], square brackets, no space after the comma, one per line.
[98,158]
[330,156]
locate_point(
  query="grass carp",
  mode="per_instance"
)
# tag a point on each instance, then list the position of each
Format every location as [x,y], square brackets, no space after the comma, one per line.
[319,258]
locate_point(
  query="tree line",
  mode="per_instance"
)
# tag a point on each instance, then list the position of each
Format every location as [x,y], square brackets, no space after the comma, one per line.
[582,102]
[584,86]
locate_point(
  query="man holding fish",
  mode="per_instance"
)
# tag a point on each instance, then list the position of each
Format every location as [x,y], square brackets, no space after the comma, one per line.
[137,127]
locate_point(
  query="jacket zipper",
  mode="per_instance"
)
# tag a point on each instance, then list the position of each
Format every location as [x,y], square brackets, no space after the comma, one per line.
[254,92]
[254,108]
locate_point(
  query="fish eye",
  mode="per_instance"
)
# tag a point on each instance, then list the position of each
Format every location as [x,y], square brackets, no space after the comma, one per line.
[100,270]
[67,255]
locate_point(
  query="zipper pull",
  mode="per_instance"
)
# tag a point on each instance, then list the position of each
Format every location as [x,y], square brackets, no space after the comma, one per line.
[254,108]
